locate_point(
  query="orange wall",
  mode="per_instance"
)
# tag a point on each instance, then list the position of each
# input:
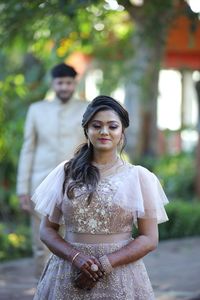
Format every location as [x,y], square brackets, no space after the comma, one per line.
[183,46]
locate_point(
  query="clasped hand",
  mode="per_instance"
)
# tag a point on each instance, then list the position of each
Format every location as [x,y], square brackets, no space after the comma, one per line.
[87,278]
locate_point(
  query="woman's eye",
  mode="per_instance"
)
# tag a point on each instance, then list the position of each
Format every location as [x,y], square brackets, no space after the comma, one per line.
[99,126]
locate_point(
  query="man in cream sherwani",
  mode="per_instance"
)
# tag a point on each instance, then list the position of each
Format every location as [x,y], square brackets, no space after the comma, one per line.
[51,134]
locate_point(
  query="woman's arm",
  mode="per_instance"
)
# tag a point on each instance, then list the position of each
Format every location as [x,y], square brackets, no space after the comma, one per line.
[50,237]
[138,248]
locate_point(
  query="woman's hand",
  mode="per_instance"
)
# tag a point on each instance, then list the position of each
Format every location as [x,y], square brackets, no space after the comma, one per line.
[83,282]
[84,262]
[57,245]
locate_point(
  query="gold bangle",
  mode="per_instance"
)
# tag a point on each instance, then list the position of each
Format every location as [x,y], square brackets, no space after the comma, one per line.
[74,257]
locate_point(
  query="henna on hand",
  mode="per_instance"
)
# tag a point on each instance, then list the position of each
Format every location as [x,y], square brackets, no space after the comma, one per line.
[83,281]
[84,262]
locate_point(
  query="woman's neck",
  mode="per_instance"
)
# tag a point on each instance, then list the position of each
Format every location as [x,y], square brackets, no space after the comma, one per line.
[102,158]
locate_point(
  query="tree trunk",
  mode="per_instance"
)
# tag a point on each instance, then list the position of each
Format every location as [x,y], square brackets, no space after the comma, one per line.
[141,93]
[151,22]
[197,181]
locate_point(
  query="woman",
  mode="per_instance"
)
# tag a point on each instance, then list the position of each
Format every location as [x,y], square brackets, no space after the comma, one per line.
[99,198]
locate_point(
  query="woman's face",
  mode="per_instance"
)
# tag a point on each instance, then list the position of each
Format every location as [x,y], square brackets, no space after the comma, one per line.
[105,130]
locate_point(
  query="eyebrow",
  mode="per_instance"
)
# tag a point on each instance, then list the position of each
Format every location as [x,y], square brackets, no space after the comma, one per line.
[113,121]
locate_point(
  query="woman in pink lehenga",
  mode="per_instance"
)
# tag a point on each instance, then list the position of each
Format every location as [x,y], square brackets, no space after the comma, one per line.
[99,198]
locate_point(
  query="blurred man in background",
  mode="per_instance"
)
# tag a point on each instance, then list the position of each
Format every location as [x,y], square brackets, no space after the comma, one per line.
[51,134]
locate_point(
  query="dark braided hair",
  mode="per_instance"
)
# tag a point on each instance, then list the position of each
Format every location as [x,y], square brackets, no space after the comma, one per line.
[79,170]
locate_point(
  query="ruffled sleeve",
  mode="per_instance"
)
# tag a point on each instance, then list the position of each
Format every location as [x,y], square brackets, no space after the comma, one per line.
[48,197]
[151,196]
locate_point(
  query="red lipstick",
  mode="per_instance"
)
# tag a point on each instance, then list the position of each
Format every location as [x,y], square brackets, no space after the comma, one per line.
[103,140]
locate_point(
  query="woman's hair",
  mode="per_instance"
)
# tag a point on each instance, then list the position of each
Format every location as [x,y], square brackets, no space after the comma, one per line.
[79,169]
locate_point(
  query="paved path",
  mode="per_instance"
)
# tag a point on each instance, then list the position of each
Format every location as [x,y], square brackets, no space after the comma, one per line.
[174,270]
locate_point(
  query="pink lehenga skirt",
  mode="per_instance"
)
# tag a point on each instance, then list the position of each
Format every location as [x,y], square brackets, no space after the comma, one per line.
[128,282]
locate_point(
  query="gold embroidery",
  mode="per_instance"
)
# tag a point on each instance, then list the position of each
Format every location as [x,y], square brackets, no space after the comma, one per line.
[101,216]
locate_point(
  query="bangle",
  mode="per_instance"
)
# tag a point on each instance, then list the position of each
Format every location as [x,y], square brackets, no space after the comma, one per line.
[74,257]
[106,265]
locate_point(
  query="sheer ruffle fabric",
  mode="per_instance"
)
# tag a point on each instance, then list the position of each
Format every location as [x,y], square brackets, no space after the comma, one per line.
[138,190]
[142,194]
[48,196]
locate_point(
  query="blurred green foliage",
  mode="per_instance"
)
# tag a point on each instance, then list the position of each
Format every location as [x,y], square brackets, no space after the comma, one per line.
[19,86]
[15,242]
[183,220]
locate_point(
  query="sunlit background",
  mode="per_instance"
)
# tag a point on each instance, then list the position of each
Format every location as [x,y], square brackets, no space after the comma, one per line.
[146,54]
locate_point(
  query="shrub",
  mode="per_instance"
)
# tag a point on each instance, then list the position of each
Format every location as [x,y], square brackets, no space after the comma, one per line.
[14,243]
[184,220]
[175,172]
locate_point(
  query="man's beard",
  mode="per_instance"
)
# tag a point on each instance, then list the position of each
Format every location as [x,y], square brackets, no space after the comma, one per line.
[64,98]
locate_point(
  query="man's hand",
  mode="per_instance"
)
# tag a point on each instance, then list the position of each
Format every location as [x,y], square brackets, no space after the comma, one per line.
[25,203]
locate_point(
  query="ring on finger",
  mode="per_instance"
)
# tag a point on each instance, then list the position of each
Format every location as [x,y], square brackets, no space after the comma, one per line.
[94,268]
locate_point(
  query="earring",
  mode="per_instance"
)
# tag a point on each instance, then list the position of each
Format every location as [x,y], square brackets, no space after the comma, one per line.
[121,142]
[88,142]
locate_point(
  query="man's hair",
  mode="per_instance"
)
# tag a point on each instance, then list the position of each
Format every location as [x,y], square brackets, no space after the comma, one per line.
[63,70]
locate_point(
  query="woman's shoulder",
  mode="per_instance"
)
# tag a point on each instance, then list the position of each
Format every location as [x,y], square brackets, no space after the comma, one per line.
[61,165]
[141,173]
[141,170]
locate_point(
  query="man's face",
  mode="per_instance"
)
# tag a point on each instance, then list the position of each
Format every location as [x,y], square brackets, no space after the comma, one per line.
[64,87]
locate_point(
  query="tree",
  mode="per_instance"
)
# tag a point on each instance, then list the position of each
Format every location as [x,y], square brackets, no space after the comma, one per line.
[197,185]
[89,26]
[151,21]
[127,40]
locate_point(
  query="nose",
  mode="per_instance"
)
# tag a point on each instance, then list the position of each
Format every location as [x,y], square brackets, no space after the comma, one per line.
[104,131]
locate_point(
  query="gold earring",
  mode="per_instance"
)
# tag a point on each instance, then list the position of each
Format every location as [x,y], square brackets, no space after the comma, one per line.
[88,142]
[121,142]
